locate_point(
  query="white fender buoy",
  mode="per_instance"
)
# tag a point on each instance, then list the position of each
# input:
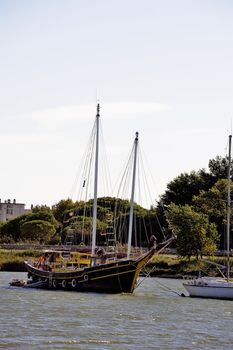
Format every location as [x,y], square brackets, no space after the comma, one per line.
[63,284]
[73,283]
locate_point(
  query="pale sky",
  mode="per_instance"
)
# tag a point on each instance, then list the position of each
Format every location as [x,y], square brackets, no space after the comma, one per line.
[160,67]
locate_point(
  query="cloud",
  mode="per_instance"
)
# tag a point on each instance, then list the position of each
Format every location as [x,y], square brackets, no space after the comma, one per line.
[55,122]
[46,146]
[112,110]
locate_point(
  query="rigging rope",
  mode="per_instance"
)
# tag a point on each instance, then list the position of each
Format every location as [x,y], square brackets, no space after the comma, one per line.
[161,284]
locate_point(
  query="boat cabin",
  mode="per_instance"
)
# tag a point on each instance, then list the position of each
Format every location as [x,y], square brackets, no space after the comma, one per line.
[63,260]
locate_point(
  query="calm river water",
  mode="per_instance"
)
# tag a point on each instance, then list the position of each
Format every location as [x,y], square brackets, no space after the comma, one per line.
[152,318]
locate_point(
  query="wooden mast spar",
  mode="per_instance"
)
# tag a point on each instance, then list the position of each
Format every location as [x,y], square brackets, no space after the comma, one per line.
[95,182]
[132,196]
[228,208]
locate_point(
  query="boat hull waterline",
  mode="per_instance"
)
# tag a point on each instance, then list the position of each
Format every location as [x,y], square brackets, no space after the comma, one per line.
[214,289]
[115,277]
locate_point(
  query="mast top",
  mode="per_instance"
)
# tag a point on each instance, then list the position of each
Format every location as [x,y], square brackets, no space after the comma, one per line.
[98,110]
[136,135]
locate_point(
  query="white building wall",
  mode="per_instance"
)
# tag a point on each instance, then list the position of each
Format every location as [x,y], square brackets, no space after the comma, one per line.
[10,210]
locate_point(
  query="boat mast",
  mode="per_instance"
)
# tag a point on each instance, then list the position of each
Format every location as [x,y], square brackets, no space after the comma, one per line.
[228,208]
[132,196]
[95,181]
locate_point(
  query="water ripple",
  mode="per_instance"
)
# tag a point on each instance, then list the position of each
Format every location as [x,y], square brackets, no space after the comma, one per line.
[151,319]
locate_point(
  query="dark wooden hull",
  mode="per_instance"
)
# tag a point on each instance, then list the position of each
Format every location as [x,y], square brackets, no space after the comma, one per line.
[115,277]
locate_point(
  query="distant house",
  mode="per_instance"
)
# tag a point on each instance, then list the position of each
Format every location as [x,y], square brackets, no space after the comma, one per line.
[10,210]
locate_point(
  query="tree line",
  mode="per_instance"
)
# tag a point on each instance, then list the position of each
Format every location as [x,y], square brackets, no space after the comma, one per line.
[193,208]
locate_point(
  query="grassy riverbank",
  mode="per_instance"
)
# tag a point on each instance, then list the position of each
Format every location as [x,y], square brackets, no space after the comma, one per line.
[176,267]
[162,265]
[13,260]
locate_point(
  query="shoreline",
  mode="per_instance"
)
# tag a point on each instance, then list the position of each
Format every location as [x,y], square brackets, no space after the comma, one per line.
[162,265]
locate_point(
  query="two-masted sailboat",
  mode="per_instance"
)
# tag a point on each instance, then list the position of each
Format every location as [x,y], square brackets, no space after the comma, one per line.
[216,287]
[86,270]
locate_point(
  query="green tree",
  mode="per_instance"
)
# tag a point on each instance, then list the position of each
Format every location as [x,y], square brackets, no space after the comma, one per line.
[213,201]
[81,229]
[214,204]
[218,167]
[39,208]
[37,231]
[182,189]
[10,230]
[43,215]
[63,206]
[195,235]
